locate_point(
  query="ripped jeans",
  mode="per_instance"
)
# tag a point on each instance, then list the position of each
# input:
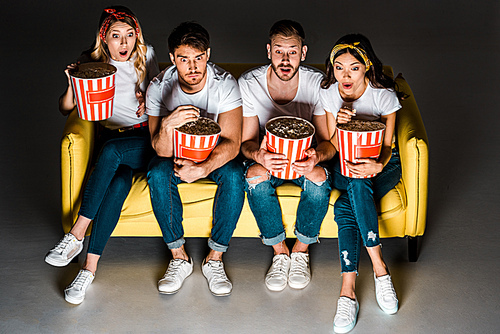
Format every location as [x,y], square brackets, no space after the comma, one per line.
[356,212]
[313,205]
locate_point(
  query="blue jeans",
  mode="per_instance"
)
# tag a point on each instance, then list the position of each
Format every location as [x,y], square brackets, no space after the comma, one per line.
[131,148]
[167,205]
[108,215]
[266,209]
[356,212]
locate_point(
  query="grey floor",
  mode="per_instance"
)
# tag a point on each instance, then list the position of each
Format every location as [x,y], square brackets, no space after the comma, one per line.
[447,50]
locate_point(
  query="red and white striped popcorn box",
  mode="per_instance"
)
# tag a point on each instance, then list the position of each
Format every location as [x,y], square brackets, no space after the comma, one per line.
[194,147]
[94,97]
[294,149]
[355,145]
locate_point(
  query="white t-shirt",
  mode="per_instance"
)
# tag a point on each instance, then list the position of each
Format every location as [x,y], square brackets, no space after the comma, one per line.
[374,103]
[220,93]
[125,103]
[257,100]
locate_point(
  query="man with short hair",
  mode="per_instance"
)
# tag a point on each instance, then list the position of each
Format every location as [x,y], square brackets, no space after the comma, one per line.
[191,88]
[281,88]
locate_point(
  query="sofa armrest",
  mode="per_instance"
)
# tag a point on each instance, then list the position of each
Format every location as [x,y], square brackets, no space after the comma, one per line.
[413,148]
[77,144]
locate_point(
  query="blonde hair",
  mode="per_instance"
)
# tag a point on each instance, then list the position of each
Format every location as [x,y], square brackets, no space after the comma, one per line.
[100,51]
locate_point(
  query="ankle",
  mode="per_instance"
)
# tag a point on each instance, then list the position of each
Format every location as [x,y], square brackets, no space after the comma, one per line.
[281,248]
[300,247]
[380,271]
[350,295]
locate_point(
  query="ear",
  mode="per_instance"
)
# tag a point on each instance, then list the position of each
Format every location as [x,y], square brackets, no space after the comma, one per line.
[208,54]
[268,46]
[304,52]
[172,58]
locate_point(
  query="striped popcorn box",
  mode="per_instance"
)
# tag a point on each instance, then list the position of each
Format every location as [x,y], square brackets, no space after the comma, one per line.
[293,148]
[354,144]
[193,146]
[94,96]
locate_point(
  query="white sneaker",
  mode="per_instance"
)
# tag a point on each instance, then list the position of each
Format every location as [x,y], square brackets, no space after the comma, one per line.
[385,293]
[65,250]
[175,275]
[218,283]
[299,275]
[277,276]
[346,316]
[75,292]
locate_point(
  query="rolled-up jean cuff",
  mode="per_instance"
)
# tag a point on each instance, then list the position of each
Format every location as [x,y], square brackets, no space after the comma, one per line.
[273,241]
[216,247]
[305,239]
[350,271]
[176,244]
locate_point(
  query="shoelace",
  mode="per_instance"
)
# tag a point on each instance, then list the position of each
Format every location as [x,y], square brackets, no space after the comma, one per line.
[218,273]
[61,245]
[80,280]
[278,266]
[299,267]
[344,309]
[387,289]
[173,268]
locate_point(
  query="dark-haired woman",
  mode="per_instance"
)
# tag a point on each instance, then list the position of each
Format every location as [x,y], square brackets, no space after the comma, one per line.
[356,88]
[125,135]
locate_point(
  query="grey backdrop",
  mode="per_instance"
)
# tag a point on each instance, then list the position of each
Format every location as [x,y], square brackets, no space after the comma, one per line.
[447,50]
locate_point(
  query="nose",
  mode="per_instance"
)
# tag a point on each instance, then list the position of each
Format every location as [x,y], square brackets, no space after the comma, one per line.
[123,40]
[193,65]
[346,74]
[285,57]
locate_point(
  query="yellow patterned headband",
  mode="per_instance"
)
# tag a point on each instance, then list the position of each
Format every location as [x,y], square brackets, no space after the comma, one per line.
[353,46]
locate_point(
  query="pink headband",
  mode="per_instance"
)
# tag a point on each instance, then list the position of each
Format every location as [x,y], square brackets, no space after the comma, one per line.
[119,16]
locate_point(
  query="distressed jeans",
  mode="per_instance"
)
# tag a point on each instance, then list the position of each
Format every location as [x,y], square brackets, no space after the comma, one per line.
[313,205]
[167,205]
[355,210]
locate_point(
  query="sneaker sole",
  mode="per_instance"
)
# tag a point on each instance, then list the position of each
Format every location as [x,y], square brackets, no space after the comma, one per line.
[297,286]
[173,292]
[277,288]
[74,301]
[388,311]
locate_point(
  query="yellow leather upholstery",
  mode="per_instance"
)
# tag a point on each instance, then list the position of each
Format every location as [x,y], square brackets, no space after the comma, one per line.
[402,212]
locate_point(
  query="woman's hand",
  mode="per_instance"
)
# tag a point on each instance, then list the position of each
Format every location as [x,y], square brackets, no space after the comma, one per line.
[364,167]
[70,67]
[345,114]
[67,100]
[142,106]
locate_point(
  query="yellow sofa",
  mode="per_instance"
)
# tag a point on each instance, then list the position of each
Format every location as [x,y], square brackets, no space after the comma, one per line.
[402,212]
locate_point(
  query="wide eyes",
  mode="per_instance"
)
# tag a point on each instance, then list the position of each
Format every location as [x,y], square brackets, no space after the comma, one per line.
[340,68]
[114,35]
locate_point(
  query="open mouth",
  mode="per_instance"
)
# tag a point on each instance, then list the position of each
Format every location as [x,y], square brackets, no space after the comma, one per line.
[347,85]
[123,53]
[285,70]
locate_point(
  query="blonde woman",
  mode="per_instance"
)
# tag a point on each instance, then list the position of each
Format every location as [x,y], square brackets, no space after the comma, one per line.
[125,142]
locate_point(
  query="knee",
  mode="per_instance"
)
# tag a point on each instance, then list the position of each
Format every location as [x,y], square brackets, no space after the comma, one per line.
[109,151]
[318,175]
[256,174]
[232,174]
[159,170]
